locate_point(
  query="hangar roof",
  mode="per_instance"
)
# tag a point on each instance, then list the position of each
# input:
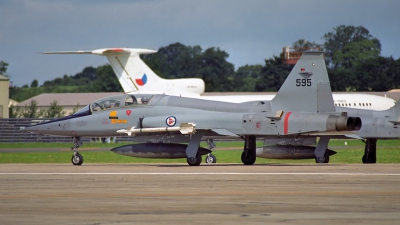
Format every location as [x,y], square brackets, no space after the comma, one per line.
[67,99]
[4,77]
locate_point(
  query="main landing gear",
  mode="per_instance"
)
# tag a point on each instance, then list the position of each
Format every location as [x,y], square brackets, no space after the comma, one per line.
[249,151]
[324,159]
[369,156]
[194,161]
[192,150]
[77,158]
[321,154]
[210,158]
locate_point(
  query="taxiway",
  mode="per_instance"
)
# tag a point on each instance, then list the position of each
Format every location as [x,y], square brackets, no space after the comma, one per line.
[208,194]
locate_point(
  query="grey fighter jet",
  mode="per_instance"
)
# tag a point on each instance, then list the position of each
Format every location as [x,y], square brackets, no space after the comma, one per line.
[302,108]
[375,125]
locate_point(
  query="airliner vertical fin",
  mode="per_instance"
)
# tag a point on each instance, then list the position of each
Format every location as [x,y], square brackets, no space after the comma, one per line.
[135,76]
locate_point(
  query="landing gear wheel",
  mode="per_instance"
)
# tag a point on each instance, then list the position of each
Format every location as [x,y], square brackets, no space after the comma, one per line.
[210,158]
[324,159]
[248,158]
[195,161]
[369,156]
[369,160]
[249,152]
[77,159]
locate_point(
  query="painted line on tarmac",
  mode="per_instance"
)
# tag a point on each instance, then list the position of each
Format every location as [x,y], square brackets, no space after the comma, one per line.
[222,173]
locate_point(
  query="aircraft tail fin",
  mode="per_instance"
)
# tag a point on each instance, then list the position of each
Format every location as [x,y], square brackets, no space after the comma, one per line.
[130,70]
[135,76]
[307,88]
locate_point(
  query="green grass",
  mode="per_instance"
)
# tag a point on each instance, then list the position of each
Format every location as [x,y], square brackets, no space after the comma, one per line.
[60,145]
[387,152]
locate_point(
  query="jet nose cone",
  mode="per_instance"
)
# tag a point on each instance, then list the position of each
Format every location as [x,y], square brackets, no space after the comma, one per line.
[28,128]
[38,128]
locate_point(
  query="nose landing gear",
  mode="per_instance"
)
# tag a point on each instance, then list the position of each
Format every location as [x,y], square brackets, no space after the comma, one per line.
[210,158]
[77,158]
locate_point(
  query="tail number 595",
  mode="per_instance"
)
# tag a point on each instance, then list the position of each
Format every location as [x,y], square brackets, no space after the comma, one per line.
[303,82]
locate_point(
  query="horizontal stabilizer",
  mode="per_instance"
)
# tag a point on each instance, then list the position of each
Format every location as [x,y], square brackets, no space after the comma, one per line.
[68,52]
[353,136]
[108,51]
[275,116]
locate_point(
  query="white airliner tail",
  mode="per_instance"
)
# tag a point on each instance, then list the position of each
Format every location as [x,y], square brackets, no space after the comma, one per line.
[135,76]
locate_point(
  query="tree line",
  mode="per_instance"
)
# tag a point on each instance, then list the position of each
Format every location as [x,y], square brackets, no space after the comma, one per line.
[352,54]
[32,111]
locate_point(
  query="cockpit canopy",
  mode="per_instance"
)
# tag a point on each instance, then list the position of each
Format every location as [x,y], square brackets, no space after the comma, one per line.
[116,101]
[120,101]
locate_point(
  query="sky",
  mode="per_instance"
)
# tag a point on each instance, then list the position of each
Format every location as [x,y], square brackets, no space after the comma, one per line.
[249,31]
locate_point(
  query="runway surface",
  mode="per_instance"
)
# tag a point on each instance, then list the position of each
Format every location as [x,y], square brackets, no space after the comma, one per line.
[208,194]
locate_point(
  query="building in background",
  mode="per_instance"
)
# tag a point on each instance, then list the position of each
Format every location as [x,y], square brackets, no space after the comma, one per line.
[70,102]
[4,96]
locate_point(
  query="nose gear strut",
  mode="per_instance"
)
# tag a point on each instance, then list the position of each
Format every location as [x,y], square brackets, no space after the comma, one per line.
[210,158]
[77,158]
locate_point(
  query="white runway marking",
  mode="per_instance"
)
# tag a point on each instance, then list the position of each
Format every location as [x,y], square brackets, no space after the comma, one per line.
[222,173]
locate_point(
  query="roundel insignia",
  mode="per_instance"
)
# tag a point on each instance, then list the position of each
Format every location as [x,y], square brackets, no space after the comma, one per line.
[171,121]
[141,79]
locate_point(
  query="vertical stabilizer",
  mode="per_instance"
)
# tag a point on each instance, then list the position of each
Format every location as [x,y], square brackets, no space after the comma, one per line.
[135,76]
[132,73]
[307,88]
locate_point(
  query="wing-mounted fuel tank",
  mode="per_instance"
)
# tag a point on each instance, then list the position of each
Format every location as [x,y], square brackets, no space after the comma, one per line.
[289,152]
[302,147]
[156,150]
[283,140]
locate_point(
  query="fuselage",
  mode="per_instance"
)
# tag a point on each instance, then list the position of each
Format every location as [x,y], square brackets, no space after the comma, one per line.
[105,116]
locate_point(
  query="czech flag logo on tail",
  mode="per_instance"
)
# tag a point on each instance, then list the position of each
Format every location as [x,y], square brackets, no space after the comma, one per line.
[142,81]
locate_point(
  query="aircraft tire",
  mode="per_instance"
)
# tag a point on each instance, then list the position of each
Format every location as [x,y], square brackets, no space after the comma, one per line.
[77,159]
[195,161]
[370,160]
[324,159]
[210,159]
[248,159]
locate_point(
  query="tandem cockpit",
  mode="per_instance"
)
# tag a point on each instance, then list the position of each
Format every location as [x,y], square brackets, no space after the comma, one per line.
[115,102]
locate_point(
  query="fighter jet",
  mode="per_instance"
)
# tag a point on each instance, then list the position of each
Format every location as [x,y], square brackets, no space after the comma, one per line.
[302,107]
[375,125]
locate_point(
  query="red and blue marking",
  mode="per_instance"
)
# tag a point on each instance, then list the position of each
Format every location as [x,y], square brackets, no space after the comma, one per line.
[171,121]
[142,81]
